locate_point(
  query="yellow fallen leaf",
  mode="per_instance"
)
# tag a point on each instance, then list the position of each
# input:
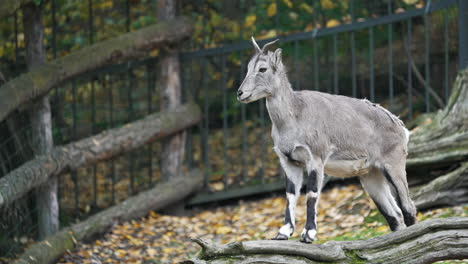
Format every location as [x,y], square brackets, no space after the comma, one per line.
[223,230]
[382,228]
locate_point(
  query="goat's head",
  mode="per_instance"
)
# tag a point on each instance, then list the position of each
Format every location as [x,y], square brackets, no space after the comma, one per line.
[262,74]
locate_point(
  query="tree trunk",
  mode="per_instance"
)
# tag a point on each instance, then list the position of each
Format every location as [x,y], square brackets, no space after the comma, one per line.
[135,207]
[89,151]
[173,147]
[425,242]
[133,45]
[40,117]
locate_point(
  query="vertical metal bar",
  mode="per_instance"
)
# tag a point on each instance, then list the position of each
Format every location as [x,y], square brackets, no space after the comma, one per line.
[244,129]
[296,65]
[130,118]
[187,87]
[277,18]
[390,56]
[111,117]
[54,30]
[150,110]
[316,69]
[74,174]
[244,154]
[94,131]
[353,53]
[314,46]
[127,15]
[207,123]
[410,75]
[90,21]
[463,34]
[335,65]
[16,40]
[427,68]
[446,56]
[225,121]
[371,63]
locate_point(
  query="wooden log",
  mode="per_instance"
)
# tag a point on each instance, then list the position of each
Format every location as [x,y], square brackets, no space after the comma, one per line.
[425,242]
[442,138]
[162,195]
[132,45]
[91,150]
[447,190]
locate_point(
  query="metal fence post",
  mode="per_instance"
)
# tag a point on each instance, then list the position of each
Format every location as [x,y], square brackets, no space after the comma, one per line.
[463,33]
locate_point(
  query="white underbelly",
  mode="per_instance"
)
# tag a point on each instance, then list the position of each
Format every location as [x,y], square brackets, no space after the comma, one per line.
[347,168]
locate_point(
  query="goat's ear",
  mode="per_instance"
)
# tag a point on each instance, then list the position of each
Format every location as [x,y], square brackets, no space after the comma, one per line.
[276,58]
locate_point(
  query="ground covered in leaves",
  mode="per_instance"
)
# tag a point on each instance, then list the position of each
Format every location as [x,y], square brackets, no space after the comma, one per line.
[345,213]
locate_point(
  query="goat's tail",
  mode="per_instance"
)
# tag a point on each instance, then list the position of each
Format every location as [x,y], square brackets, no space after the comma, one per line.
[397,179]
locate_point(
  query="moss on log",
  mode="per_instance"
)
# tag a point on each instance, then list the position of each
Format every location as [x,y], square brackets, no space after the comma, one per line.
[164,194]
[128,46]
[425,242]
[91,150]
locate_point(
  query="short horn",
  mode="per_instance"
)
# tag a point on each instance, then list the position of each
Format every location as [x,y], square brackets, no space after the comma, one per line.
[264,49]
[257,48]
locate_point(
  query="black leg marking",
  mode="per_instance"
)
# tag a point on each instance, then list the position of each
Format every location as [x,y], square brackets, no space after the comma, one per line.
[310,224]
[408,217]
[390,180]
[391,220]
[290,188]
[312,182]
[287,217]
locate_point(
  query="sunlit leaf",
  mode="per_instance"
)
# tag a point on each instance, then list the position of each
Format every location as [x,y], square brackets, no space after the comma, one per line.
[271,10]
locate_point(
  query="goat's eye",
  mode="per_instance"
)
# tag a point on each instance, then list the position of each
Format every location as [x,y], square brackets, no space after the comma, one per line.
[262,70]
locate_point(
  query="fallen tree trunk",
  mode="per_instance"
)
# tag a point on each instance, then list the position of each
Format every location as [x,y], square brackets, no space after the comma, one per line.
[443,137]
[425,242]
[131,45]
[164,194]
[447,190]
[91,150]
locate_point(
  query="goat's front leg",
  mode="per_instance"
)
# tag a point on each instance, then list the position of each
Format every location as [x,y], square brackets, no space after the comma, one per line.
[314,187]
[293,190]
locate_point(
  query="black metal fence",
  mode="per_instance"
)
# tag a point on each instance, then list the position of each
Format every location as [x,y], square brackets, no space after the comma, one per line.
[406,58]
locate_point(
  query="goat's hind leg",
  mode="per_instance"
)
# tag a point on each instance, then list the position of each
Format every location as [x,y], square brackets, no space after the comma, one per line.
[380,190]
[396,175]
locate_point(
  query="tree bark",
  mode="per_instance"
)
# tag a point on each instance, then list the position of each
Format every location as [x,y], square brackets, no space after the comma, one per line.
[447,190]
[40,118]
[135,207]
[425,242]
[173,147]
[91,150]
[137,44]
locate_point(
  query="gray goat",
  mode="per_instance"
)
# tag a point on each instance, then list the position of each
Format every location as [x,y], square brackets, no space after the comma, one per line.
[337,135]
